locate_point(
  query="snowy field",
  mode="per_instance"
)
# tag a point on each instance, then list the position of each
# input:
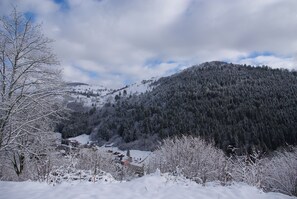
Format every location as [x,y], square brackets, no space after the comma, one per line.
[154,186]
[82,139]
[108,95]
[137,155]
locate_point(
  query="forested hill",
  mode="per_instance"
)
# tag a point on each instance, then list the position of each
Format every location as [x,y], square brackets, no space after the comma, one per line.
[231,104]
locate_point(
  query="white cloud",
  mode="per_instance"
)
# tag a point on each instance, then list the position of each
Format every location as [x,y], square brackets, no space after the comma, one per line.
[73,74]
[115,39]
[271,60]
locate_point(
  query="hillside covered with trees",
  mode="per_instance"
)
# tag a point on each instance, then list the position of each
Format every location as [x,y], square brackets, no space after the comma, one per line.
[229,104]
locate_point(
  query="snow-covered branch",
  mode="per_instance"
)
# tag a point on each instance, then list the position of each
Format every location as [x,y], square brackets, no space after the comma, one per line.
[30,85]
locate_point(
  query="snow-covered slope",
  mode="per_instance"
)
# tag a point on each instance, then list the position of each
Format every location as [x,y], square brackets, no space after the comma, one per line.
[89,95]
[92,95]
[152,186]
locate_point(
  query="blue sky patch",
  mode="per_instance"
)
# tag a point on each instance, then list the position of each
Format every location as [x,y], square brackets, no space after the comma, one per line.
[64,5]
[128,82]
[30,15]
[151,63]
[90,74]
[256,54]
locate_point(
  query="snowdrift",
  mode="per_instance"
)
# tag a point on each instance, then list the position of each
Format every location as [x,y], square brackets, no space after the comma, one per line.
[155,186]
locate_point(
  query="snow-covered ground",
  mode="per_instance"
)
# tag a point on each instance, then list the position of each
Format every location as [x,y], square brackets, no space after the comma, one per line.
[135,154]
[105,95]
[139,158]
[95,89]
[82,139]
[154,186]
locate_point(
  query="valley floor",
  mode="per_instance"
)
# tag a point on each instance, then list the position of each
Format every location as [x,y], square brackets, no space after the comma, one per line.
[151,186]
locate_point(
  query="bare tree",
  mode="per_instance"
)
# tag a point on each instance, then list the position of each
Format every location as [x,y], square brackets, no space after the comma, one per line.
[30,84]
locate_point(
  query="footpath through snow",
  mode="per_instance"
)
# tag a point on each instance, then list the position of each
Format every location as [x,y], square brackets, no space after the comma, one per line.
[154,186]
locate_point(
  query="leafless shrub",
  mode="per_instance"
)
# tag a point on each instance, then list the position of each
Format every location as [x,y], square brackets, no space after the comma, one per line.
[248,168]
[92,161]
[95,160]
[277,173]
[193,157]
[280,173]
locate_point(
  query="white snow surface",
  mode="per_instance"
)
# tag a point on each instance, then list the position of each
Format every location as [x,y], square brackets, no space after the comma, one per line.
[138,157]
[108,95]
[82,139]
[137,154]
[156,186]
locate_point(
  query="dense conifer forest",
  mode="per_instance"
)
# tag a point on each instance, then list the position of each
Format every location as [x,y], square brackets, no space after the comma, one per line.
[243,106]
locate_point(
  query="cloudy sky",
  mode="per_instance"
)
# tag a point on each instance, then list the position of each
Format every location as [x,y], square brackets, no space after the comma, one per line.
[117,42]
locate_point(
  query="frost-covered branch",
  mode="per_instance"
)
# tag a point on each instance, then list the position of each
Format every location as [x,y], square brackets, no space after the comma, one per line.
[30,85]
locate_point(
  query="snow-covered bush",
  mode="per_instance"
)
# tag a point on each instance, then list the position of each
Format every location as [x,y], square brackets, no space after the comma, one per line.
[192,157]
[249,169]
[277,173]
[95,160]
[87,164]
[63,174]
[34,162]
[34,168]
[281,173]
